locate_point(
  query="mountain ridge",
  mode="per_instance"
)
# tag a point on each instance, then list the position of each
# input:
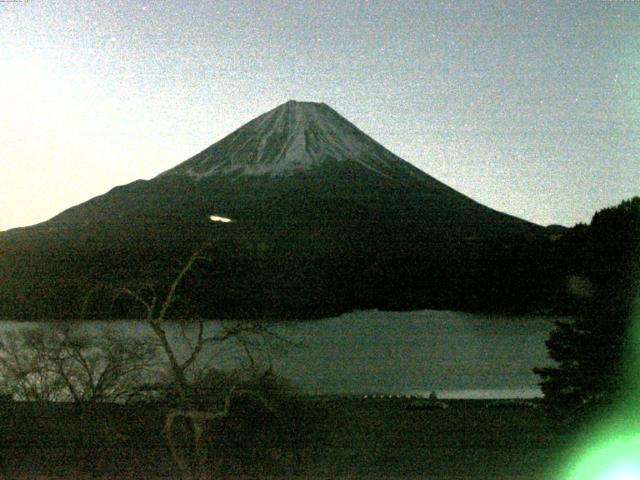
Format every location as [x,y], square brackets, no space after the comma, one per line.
[301,134]
[324,220]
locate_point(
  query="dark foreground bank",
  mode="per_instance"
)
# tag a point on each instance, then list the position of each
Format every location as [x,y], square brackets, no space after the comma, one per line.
[343,438]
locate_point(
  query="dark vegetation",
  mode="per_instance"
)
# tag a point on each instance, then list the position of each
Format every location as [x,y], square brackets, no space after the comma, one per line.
[213,420]
[595,352]
[262,429]
[60,363]
[306,267]
[76,405]
[344,438]
[308,247]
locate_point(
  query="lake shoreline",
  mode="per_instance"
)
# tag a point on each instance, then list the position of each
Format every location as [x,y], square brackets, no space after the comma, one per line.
[398,353]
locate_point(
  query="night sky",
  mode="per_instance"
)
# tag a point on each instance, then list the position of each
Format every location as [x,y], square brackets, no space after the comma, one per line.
[531,108]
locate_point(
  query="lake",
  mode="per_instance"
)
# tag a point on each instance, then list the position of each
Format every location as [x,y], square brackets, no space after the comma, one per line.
[459,355]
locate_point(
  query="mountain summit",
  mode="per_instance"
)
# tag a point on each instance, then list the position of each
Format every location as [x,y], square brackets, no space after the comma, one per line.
[304,215]
[294,137]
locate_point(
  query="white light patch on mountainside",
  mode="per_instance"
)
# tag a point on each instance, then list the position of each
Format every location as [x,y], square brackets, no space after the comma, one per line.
[294,137]
[217,218]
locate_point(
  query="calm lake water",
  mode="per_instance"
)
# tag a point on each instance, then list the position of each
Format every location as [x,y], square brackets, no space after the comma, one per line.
[459,355]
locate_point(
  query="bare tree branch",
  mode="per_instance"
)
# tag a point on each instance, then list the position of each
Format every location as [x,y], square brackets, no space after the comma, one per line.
[197,388]
[177,281]
[55,362]
[148,306]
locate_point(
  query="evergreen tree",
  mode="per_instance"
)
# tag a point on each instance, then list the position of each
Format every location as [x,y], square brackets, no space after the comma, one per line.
[590,350]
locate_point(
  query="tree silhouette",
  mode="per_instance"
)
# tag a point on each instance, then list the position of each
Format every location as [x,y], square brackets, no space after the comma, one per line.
[202,395]
[590,349]
[60,362]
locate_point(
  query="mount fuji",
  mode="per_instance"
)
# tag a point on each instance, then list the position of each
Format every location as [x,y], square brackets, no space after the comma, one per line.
[303,216]
[294,137]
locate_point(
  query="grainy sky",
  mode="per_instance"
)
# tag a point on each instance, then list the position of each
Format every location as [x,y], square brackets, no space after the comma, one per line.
[532,108]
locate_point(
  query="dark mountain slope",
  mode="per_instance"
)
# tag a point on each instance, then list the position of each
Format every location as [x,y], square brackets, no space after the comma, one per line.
[324,220]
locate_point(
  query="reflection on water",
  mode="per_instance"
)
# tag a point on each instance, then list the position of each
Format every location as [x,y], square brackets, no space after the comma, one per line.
[459,355]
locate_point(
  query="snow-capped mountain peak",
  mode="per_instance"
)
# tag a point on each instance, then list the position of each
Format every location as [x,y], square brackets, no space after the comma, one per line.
[293,137]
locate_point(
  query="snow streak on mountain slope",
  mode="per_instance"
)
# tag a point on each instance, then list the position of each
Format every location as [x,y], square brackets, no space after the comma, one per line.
[294,137]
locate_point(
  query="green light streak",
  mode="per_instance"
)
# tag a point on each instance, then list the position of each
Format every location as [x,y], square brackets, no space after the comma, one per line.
[610,449]
[611,458]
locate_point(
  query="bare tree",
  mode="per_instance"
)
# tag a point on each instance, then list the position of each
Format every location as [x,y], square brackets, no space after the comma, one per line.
[196,404]
[26,374]
[60,362]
